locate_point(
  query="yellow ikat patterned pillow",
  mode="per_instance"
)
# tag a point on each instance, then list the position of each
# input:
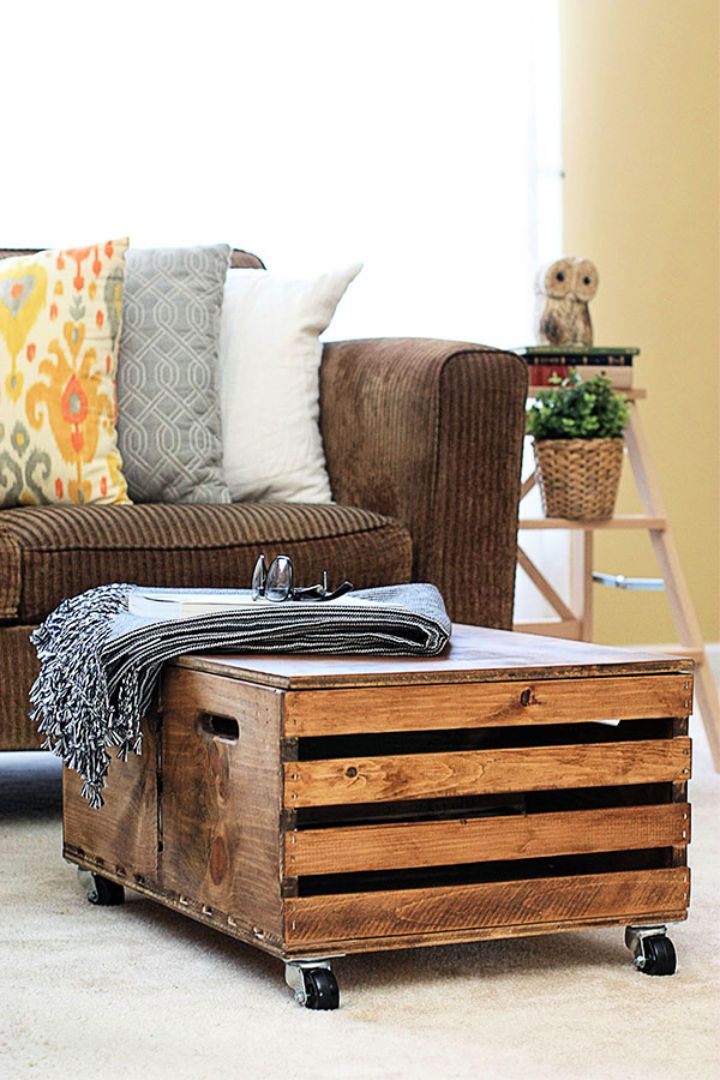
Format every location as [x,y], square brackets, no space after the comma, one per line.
[59,338]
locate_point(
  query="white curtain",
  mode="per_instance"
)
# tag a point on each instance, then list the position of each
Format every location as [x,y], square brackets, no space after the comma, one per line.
[420,138]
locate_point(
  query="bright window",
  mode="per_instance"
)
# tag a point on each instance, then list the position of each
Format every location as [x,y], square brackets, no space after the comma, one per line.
[421,138]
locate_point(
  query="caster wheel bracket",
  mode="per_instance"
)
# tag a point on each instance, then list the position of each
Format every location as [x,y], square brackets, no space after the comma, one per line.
[100,891]
[652,949]
[313,983]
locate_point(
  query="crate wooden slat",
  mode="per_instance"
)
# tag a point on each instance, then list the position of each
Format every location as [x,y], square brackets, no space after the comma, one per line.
[550,701]
[386,943]
[465,840]
[413,911]
[338,781]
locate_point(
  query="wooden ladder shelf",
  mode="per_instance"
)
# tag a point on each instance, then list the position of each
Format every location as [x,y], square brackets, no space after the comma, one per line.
[575,620]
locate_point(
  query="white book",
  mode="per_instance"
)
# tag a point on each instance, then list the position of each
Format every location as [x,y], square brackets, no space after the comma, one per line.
[169,605]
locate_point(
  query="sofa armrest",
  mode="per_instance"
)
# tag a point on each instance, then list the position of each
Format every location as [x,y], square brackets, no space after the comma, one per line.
[431,432]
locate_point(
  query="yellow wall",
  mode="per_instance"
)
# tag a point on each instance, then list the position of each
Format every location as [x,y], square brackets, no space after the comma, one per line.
[641,152]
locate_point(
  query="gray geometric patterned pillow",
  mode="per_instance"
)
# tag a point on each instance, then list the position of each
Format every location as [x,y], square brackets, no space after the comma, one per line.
[169,427]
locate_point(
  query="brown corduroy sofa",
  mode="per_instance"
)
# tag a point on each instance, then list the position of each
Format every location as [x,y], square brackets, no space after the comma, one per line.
[423,441]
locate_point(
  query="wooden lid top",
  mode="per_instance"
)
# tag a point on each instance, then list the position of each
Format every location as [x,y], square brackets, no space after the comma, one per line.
[476,654]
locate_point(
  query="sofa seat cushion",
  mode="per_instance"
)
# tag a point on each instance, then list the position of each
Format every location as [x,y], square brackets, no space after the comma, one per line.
[52,552]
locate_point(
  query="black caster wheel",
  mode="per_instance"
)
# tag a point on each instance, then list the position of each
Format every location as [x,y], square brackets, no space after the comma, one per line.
[658,956]
[653,950]
[314,984]
[321,989]
[101,891]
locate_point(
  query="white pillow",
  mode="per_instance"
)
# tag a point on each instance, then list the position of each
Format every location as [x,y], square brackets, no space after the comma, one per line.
[270,383]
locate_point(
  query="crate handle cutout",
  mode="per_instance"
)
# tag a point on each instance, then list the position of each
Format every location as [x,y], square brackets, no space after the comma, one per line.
[225,728]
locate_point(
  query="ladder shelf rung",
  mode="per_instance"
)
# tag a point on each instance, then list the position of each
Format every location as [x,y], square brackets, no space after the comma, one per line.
[621,521]
[637,584]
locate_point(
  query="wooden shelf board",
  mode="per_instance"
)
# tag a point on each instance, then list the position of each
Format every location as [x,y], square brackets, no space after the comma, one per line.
[621,521]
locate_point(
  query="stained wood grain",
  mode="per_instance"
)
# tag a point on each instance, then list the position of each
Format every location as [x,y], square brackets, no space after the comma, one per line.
[680,727]
[446,843]
[630,895]
[549,701]
[346,946]
[476,653]
[477,772]
[123,834]
[289,950]
[233,857]
[221,800]
[213,917]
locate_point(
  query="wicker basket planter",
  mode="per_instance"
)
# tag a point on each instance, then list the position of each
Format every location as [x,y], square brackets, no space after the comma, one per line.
[578,478]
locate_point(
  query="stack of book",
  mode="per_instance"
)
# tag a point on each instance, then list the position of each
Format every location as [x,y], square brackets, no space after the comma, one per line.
[544,361]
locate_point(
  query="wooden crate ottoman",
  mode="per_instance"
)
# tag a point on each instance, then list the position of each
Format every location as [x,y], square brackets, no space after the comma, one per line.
[317,806]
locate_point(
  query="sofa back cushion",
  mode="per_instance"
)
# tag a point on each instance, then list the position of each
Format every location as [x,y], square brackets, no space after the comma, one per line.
[44,488]
[270,355]
[169,426]
[60,317]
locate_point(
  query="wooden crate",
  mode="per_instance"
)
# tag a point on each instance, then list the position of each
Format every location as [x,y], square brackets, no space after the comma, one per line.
[320,806]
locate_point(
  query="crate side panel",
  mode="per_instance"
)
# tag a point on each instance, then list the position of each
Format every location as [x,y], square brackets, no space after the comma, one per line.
[221,798]
[123,834]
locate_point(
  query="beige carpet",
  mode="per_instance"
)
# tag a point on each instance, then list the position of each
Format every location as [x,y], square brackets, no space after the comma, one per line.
[138,991]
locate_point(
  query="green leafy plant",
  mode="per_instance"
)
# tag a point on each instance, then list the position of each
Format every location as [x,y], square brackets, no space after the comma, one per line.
[579,410]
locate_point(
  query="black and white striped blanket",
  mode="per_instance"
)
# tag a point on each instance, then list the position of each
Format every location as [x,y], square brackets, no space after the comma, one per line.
[100,664]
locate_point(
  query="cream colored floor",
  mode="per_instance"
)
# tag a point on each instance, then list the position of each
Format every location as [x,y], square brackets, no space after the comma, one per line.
[138,991]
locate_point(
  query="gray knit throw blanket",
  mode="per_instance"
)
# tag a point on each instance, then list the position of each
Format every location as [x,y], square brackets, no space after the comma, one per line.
[100,665]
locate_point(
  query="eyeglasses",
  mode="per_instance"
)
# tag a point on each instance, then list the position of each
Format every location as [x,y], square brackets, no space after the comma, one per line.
[277,583]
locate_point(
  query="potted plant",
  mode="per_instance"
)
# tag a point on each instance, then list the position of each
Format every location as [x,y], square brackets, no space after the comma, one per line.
[577,430]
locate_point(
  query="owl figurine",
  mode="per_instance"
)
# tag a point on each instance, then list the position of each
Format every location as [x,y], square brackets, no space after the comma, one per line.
[564,289]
